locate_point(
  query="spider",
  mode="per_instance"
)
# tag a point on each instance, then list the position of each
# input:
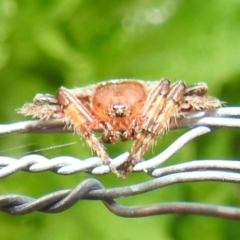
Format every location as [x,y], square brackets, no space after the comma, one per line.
[125,109]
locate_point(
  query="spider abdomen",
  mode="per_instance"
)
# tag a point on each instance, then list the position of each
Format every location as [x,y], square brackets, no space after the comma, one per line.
[119,99]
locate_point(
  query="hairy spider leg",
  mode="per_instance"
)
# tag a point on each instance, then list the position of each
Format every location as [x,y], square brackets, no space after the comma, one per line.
[44,106]
[79,116]
[167,108]
[153,104]
[194,98]
[199,89]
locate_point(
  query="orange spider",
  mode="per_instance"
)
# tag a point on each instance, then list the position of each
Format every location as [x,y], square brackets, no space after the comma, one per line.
[125,109]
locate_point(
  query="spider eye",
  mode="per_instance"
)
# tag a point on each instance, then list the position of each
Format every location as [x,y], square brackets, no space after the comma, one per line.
[120,110]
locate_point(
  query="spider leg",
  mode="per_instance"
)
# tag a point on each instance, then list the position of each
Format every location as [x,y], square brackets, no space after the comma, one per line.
[199,89]
[44,106]
[166,105]
[194,98]
[81,119]
[153,105]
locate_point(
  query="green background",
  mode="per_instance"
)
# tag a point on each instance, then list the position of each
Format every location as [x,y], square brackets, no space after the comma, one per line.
[46,44]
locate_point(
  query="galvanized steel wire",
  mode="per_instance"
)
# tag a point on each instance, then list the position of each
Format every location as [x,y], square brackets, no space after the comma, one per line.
[190,171]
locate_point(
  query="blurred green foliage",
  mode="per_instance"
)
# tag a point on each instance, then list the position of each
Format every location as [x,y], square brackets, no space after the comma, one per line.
[46,44]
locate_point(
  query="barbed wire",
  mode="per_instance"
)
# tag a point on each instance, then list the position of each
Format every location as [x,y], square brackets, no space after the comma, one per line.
[92,189]
[191,171]
[94,165]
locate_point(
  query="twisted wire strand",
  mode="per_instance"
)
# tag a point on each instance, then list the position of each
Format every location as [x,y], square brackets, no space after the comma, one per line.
[191,171]
[70,165]
[92,189]
[202,121]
